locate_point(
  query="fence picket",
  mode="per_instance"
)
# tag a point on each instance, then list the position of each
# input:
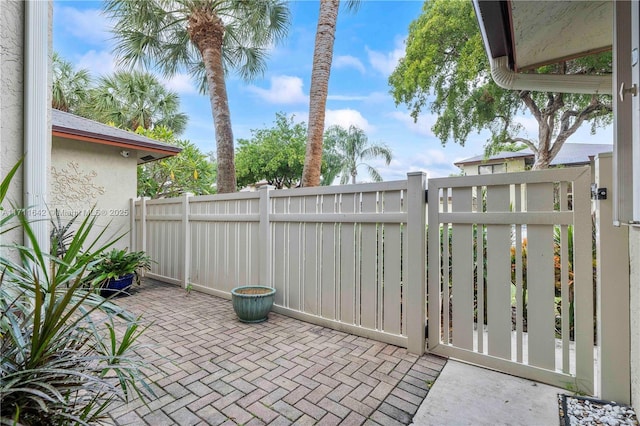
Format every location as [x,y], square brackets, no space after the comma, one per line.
[368,261]
[499,276]
[540,279]
[392,253]
[347,262]
[462,272]
[310,259]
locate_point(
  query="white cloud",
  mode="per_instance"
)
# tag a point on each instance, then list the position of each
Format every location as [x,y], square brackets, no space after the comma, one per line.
[371,97]
[98,63]
[346,118]
[347,98]
[300,116]
[180,83]
[422,127]
[284,90]
[340,117]
[433,162]
[90,25]
[386,62]
[348,61]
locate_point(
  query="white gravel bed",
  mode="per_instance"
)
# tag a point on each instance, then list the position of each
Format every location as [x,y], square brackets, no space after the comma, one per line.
[589,411]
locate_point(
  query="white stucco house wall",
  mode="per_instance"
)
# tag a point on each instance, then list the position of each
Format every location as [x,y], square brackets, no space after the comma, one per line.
[93,171]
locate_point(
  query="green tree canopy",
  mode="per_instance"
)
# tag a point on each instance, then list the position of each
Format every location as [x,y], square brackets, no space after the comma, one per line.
[132,99]
[69,87]
[207,38]
[274,154]
[349,149]
[189,171]
[446,71]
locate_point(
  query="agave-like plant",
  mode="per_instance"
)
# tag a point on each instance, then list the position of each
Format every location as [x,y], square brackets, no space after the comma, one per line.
[65,352]
[61,234]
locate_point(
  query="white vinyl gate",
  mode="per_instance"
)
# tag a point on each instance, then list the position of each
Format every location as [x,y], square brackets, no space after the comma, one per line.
[509,282]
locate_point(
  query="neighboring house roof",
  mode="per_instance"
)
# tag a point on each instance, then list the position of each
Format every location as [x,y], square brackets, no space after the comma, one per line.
[571,154]
[70,126]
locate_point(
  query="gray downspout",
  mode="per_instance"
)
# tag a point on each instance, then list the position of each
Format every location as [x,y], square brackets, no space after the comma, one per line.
[37,127]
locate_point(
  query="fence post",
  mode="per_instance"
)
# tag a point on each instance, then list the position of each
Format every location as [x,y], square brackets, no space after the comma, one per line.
[132,225]
[143,223]
[186,248]
[612,293]
[265,236]
[416,261]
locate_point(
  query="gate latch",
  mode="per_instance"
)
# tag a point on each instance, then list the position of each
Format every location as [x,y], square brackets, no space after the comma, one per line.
[598,193]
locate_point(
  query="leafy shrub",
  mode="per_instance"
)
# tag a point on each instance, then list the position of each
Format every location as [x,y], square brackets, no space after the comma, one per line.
[118,263]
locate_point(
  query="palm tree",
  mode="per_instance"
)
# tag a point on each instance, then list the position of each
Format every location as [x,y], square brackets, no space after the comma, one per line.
[207,38]
[134,99]
[353,148]
[69,87]
[322,58]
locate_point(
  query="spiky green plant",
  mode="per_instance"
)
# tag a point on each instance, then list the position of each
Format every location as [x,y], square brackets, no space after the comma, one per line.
[61,234]
[65,352]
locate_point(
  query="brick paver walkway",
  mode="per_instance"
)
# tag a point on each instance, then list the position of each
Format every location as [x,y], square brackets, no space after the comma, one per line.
[213,369]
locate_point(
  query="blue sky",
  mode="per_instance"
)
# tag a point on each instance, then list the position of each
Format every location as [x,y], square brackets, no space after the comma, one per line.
[368,45]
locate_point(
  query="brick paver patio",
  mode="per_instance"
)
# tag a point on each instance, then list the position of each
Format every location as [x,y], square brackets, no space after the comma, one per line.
[213,369]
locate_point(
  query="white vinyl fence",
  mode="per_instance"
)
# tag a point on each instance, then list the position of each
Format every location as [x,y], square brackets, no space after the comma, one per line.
[510,266]
[349,257]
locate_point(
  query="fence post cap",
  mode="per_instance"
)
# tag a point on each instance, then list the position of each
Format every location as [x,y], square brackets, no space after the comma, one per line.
[418,173]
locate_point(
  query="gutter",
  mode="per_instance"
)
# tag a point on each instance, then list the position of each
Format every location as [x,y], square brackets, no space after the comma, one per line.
[506,78]
[563,83]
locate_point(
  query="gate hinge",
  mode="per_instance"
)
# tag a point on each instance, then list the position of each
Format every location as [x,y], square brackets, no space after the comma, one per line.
[598,193]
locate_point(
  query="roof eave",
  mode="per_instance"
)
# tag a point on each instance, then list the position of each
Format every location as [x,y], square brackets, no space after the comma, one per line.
[158,151]
[497,34]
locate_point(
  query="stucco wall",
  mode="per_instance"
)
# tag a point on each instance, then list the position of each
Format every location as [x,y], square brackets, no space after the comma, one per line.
[11,101]
[634,280]
[85,174]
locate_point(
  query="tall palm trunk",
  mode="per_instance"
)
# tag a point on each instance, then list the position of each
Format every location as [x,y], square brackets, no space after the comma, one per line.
[322,57]
[207,31]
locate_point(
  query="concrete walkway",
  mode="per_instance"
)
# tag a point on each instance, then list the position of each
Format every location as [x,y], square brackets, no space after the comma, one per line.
[469,395]
[211,369]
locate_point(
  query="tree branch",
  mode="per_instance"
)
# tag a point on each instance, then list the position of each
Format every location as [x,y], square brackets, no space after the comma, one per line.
[525,95]
[527,142]
[593,110]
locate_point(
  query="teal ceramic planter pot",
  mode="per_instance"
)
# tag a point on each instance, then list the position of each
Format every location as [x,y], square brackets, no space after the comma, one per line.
[252,303]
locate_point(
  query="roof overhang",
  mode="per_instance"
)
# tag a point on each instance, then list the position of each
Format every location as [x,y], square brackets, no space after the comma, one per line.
[522,35]
[69,126]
